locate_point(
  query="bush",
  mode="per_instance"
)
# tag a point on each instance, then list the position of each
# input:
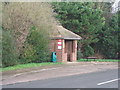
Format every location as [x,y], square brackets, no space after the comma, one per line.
[37,49]
[88,51]
[28,54]
[9,53]
[79,55]
[0,46]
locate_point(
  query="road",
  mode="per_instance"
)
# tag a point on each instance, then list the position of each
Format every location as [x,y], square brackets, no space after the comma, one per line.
[101,79]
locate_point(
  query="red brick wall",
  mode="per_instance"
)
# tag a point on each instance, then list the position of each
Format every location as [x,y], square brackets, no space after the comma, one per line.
[64,55]
[61,55]
[54,48]
[74,54]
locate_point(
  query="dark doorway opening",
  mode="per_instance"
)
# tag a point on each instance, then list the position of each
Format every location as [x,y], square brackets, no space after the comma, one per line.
[69,49]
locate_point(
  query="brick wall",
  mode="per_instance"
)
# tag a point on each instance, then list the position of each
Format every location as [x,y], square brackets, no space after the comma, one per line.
[61,55]
[74,53]
[54,48]
[64,55]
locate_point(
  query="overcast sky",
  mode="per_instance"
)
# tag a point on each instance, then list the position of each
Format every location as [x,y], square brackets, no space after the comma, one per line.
[115,6]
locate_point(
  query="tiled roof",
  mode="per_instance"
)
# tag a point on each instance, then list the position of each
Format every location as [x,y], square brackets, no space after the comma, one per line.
[61,33]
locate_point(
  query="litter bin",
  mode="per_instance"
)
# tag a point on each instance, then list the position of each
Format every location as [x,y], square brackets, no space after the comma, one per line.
[54,57]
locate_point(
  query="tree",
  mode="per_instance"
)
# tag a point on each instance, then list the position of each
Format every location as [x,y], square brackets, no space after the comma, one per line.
[108,38]
[36,48]
[21,18]
[83,19]
[9,53]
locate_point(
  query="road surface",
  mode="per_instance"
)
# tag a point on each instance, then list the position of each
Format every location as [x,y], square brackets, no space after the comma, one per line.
[101,79]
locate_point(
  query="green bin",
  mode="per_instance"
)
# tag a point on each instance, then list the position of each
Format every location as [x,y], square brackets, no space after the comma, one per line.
[54,57]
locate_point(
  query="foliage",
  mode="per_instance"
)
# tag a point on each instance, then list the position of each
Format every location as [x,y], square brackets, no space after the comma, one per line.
[118,53]
[20,17]
[95,23]
[79,55]
[88,51]
[28,54]
[37,47]
[108,38]
[0,46]
[82,19]
[9,53]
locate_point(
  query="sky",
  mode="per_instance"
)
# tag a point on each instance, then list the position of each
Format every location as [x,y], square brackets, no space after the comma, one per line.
[115,6]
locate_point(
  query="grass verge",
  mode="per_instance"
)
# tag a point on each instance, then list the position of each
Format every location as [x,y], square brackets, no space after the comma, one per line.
[99,60]
[23,66]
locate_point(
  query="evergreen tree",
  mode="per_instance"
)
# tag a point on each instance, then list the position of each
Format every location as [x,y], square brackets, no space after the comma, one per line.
[83,19]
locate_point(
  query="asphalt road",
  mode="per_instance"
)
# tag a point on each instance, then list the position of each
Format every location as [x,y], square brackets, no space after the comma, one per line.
[104,79]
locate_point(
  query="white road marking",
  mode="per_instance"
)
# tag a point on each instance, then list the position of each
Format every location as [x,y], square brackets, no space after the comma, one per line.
[108,81]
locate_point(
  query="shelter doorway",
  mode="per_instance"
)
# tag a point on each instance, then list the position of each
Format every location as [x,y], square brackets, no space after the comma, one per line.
[69,49]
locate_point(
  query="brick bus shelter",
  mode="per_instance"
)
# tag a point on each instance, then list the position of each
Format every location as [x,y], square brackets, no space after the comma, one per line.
[64,43]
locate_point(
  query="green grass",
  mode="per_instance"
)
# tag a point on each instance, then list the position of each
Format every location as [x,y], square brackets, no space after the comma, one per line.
[23,66]
[100,60]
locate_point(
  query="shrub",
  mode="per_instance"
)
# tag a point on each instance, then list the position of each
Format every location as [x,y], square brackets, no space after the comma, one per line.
[0,46]
[28,54]
[9,53]
[37,49]
[88,51]
[79,55]
[20,16]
